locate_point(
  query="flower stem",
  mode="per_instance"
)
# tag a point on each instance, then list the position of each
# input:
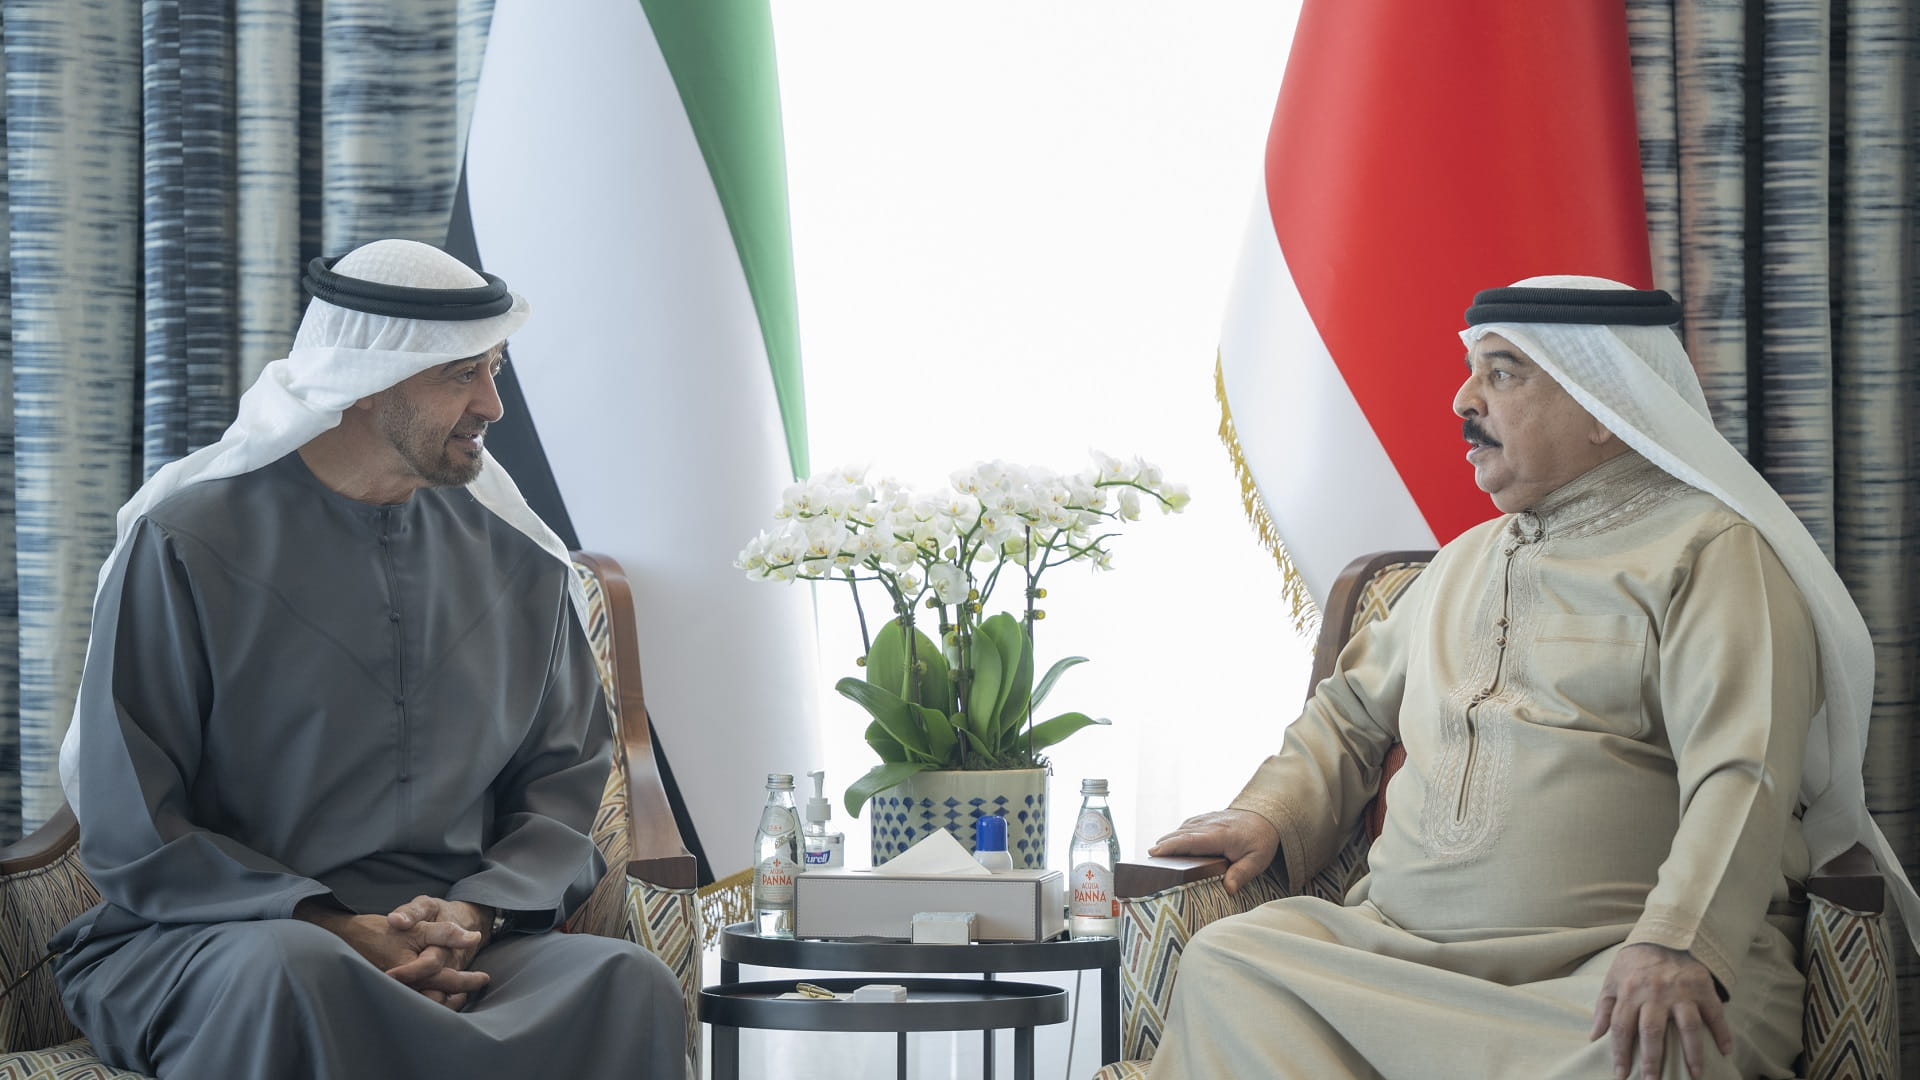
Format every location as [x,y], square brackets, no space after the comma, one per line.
[962,647]
[866,643]
[954,663]
[1033,579]
[910,691]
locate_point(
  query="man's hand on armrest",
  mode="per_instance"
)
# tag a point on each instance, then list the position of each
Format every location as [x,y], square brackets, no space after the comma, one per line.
[1246,840]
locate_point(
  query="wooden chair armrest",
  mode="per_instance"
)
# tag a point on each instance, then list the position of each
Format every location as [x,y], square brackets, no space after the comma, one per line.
[660,857]
[1851,880]
[43,845]
[1147,876]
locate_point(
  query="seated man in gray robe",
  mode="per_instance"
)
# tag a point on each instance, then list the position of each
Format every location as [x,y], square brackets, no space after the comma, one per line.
[340,741]
[1633,710]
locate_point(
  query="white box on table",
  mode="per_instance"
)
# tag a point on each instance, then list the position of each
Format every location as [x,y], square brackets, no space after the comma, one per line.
[1014,905]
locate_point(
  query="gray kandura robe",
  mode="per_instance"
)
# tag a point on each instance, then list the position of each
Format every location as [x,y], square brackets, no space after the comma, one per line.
[291,694]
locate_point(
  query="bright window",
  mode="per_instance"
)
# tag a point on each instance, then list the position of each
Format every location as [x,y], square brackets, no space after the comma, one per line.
[1014,227]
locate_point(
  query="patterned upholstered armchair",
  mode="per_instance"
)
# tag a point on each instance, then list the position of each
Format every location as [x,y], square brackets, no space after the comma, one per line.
[1850,1020]
[646,897]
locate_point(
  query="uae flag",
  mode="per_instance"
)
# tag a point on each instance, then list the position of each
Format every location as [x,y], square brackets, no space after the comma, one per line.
[626,173]
[1419,152]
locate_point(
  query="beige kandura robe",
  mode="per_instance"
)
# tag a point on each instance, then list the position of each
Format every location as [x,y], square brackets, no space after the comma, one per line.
[1604,703]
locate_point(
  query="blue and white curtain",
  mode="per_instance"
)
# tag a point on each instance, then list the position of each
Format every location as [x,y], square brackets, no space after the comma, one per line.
[169,165]
[1780,141]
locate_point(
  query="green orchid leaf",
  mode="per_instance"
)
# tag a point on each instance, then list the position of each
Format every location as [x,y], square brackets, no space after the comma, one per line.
[1052,731]
[878,779]
[941,738]
[887,658]
[1007,637]
[885,745]
[1013,711]
[1053,673]
[930,684]
[983,696]
[980,745]
[992,753]
[934,688]
[891,713]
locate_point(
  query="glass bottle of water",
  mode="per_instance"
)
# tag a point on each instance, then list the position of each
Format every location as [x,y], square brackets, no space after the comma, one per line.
[776,859]
[1092,909]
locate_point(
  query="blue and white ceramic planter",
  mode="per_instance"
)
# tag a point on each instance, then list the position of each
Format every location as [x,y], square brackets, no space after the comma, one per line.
[953,800]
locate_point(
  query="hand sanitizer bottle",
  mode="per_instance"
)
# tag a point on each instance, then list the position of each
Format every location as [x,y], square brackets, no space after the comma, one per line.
[825,850]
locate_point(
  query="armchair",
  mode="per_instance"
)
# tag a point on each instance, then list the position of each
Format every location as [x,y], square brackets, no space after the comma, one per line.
[647,895]
[1850,1023]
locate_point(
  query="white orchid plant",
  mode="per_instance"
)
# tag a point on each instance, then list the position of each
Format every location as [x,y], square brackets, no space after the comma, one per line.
[968,702]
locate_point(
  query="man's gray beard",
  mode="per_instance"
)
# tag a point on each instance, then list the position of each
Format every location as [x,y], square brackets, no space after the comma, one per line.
[452,472]
[399,423]
[452,469]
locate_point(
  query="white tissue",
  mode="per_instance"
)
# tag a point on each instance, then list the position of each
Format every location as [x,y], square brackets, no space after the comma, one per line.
[935,853]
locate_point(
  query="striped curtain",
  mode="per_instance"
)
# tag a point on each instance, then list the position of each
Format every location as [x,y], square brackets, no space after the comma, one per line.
[168,166]
[1781,147]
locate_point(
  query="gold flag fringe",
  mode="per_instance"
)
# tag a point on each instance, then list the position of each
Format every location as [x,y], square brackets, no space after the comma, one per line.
[1301,608]
[723,903]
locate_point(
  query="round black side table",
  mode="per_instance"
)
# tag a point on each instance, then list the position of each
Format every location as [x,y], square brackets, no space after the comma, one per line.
[739,944]
[931,1005]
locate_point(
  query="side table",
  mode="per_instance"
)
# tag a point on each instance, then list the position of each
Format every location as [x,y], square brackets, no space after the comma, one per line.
[931,1005]
[739,944]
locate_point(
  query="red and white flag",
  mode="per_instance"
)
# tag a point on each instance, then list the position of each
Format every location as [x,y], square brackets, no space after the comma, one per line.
[1419,152]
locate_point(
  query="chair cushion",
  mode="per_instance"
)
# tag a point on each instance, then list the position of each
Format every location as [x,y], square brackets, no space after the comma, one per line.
[600,637]
[666,922]
[68,1061]
[1124,1070]
[1850,1020]
[1383,590]
[605,912]
[1155,929]
[38,903]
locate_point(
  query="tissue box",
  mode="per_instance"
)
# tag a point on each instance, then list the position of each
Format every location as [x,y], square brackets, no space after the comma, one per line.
[1017,905]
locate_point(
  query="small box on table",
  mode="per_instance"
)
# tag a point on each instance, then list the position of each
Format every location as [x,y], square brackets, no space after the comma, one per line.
[1015,905]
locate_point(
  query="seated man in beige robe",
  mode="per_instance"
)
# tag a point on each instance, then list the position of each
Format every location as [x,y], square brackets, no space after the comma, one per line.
[1633,709]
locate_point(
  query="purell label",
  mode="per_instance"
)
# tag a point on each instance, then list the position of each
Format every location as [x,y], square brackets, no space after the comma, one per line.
[776,822]
[1093,893]
[819,858]
[773,883]
[1092,827]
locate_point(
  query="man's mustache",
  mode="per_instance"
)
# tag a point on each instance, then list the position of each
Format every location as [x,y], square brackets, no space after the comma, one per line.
[1471,430]
[477,429]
